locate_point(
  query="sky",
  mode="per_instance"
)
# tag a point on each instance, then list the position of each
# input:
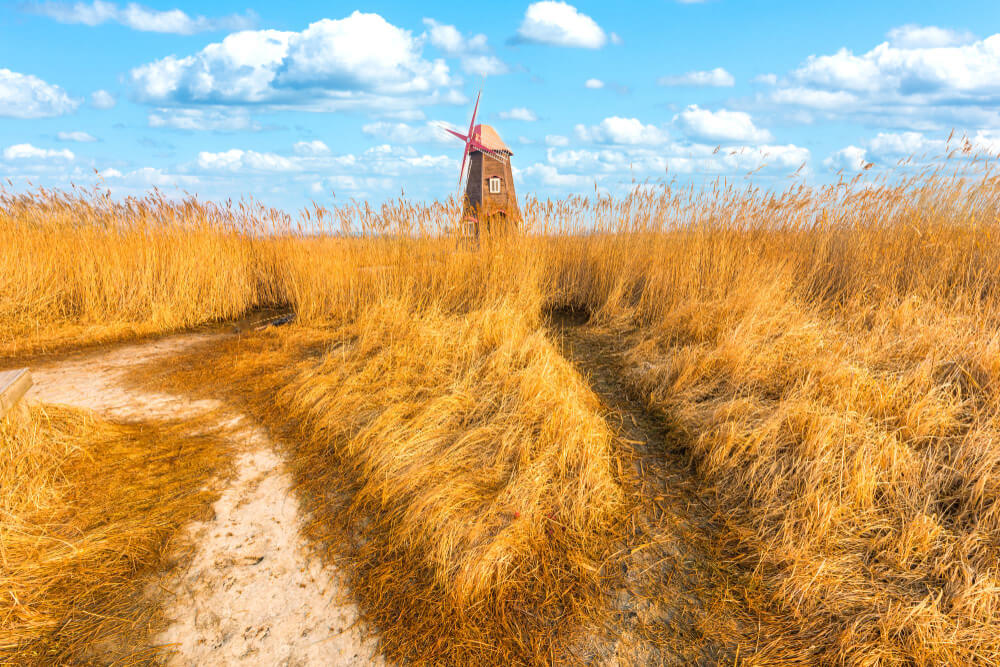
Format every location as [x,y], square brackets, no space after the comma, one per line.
[300,102]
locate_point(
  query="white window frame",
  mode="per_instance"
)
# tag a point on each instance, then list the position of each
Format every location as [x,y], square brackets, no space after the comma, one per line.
[497,180]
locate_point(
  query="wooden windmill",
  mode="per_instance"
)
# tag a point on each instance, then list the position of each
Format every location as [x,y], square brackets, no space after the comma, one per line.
[490,204]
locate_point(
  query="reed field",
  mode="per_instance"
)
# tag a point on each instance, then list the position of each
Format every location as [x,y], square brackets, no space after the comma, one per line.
[822,363]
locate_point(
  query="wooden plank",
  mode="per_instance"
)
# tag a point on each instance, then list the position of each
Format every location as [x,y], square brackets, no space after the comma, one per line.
[13,385]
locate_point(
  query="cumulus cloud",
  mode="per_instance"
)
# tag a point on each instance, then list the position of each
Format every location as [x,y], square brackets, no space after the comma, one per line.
[815,99]
[627,165]
[355,62]
[473,51]
[146,177]
[920,74]
[311,148]
[29,152]
[27,96]
[785,157]
[717,78]
[139,17]
[722,126]
[912,36]
[403,133]
[904,144]
[556,140]
[450,40]
[198,120]
[548,175]
[237,159]
[82,137]
[484,65]
[618,130]
[519,113]
[102,99]
[314,163]
[851,158]
[560,24]
[593,84]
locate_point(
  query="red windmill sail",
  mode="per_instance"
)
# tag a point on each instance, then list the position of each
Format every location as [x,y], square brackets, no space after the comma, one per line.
[488,201]
[473,142]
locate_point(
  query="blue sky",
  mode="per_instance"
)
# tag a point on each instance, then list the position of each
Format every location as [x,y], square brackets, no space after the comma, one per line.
[299,102]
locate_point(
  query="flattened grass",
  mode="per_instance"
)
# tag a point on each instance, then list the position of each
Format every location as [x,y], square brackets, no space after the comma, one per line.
[90,511]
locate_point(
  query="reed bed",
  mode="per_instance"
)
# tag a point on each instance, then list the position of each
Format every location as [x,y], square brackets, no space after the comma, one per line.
[81,268]
[90,513]
[829,357]
[448,455]
[832,359]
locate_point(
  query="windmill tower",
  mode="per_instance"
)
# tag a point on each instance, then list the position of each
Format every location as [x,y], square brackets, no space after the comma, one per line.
[490,204]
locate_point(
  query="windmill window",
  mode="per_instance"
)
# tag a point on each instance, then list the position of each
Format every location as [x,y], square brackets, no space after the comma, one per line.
[494,186]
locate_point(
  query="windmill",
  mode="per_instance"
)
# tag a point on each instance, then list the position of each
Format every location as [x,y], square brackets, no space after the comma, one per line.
[489,201]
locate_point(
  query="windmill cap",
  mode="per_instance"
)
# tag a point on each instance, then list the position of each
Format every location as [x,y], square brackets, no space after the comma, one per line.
[488,137]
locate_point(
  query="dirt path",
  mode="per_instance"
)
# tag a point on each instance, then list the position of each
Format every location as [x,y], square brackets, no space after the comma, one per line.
[674,610]
[251,593]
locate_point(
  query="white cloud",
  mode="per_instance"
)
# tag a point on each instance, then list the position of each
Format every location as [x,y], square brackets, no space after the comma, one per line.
[766,79]
[237,159]
[451,41]
[519,113]
[311,148]
[102,99]
[852,158]
[146,177]
[618,130]
[484,65]
[550,176]
[903,144]
[816,99]
[556,140]
[362,51]
[722,126]
[985,141]
[29,152]
[138,17]
[313,162]
[27,96]
[718,78]
[888,147]
[82,137]
[110,172]
[784,157]
[218,120]
[402,133]
[472,50]
[912,36]
[560,24]
[593,84]
[920,81]
[587,160]
[361,61]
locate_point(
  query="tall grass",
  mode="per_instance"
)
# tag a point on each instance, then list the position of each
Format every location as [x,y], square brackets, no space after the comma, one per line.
[829,355]
[88,513]
[82,268]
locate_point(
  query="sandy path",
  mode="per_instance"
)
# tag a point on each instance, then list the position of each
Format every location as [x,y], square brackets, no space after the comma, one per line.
[251,593]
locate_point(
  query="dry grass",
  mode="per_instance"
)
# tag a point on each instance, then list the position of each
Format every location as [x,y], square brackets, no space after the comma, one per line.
[89,510]
[455,462]
[834,364]
[829,357]
[84,269]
